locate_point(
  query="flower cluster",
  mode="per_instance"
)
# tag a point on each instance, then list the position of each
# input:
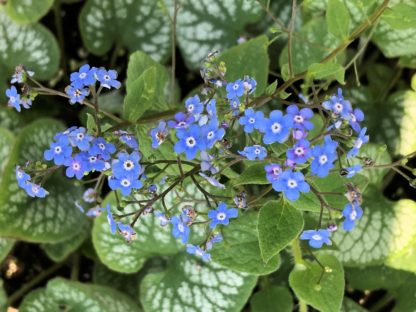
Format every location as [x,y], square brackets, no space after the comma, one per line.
[32,189]
[16,99]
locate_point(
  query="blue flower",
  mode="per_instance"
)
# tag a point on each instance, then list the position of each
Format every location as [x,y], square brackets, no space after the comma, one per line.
[291,184]
[90,195]
[249,84]
[216,238]
[180,229]
[152,188]
[190,141]
[110,219]
[80,139]
[235,89]
[352,213]
[277,127]
[211,109]
[64,136]
[21,177]
[338,105]
[85,76]
[273,172]
[94,212]
[76,93]
[94,163]
[254,152]
[316,237]
[58,151]
[356,117]
[26,102]
[128,139]
[235,106]
[162,218]
[221,215]
[126,165]
[159,134]
[199,252]
[252,120]
[194,106]
[206,163]
[181,121]
[100,147]
[126,231]
[108,79]
[14,98]
[299,134]
[212,181]
[300,152]
[351,171]
[362,138]
[35,190]
[76,166]
[300,117]
[125,184]
[324,157]
[211,134]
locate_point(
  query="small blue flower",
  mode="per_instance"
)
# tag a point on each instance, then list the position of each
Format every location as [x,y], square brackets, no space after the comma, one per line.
[162,218]
[128,139]
[291,184]
[159,134]
[356,117]
[252,120]
[80,139]
[317,237]
[235,89]
[94,212]
[235,106]
[206,163]
[35,190]
[273,172]
[180,229]
[26,102]
[254,152]
[300,117]
[64,136]
[211,134]
[300,152]
[152,188]
[190,141]
[125,184]
[100,147]
[362,139]
[211,109]
[299,134]
[181,121]
[85,76]
[127,231]
[110,219]
[90,196]
[324,157]
[338,105]
[126,165]
[352,213]
[58,151]
[79,206]
[351,171]
[14,98]
[212,181]
[194,106]
[277,127]
[21,177]
[221,215]
[249,84]
[76,93]
[94,163]
[199,252]
[76,166]
[216,238]
[108,79]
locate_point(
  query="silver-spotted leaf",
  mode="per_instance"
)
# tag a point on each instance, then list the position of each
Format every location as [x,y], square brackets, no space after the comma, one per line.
[27,11]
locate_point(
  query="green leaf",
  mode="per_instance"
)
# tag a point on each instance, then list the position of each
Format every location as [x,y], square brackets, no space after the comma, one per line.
[349,305]
[10,119]
[405,296]
[269,298]
[191,286]
[6,144]
[249,58]
[338,19]
[3,297]
[49,220]
[400,16]
[23,11]
[311,45]
[78,297]
[254,174]
[327,71]
[32,45]
[217,23]
[6,245]
[278,224]
[240,250]
[91,125]
[271,88]
[137,25]
[328,294]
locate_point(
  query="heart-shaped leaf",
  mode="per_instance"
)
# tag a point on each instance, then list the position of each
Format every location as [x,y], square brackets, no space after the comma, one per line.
[269,298]
[23,11]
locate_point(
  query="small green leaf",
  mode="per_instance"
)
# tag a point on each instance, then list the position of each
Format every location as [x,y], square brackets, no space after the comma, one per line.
[240,250]
[91,124]
[254,174]
[327,71]
[278,224]
[269,298]
[338,19]
[23,11]
[271,88]
[6,245]
[400,16]
[188,285]
[328,294]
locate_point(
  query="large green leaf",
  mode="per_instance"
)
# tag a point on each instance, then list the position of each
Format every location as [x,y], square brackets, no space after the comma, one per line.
[338,19]
[328,294]
[9,119]
[31,45]
[6,245]
[254,174]
[52,219]
[6,144]
[24,11]
[278,224]
[271,298]
[138,25]
[249,58]
[240,250]
[191,286]
[63,294]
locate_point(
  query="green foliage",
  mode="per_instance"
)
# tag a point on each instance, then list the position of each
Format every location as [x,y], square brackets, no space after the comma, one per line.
[254,174]
[338,19]
[6,244]
[327,71]
[23,11]
[269,298]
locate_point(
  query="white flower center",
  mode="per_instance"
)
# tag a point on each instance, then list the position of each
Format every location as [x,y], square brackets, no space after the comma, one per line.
[276,171]
[338,107]
[76,166]
[101,146]
[107,77]
[12,99]
[190,142]
[80,136]
[323,159]
[257,151]
[235,86]
[317,237]
[128,165]
[58,149]
[125,182]
[191,107]
[82,75]
[298,119]
[353,215]
[292,183]
[252,120]
[181,228]
[35,188]
[299,151]
[221,216]
[181,124]
[210,135]
[19,174]
[93,159]
[276,127]
[353,118]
